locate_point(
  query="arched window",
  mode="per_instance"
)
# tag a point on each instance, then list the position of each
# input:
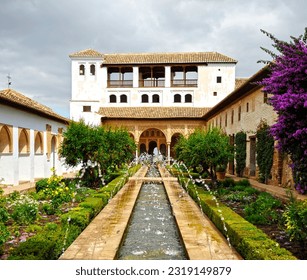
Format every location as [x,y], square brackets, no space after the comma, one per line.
[93,70]
[123,98]
[113,98]
[155,98]
[177,98]
[81,69]
[145,98]
[38,143]
[23,142]
[188,98]
[5,140]
[53,151]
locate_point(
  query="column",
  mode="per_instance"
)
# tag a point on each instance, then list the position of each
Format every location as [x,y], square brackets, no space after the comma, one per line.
[135,77]
[167,76]
[168,152]
[136,151]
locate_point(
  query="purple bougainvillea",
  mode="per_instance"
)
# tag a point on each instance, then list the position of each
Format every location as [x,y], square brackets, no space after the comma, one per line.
[287,86]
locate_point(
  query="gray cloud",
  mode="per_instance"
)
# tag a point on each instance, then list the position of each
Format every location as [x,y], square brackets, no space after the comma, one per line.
[37,36]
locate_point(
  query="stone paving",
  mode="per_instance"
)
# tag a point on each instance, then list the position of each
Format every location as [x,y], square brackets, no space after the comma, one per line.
[102,238]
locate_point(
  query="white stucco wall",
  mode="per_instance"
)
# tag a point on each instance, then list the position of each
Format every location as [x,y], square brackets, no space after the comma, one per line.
[15,167]
[89,90]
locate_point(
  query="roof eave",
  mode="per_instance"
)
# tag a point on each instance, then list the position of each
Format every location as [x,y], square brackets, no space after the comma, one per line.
[33,110]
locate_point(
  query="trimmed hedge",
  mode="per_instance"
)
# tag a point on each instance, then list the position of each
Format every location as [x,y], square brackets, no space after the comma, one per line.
[251,242]
[54,239]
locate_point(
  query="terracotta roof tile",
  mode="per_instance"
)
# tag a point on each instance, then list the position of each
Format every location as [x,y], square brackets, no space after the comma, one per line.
[9,96]
[152,112]
[156,58]
[240,82]
[87,53]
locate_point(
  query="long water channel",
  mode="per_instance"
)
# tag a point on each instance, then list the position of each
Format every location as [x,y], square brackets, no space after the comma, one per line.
[152,233]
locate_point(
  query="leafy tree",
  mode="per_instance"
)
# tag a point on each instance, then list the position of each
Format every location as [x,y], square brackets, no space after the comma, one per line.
[240,141]
[97,150]
[208,149]
[264,151]
[287,84]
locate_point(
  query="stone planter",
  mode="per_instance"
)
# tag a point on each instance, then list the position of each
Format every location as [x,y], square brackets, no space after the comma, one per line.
[220,175]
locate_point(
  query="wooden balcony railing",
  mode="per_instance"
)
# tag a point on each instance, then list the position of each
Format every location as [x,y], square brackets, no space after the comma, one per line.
[151,83]
[120,83]
[184,83]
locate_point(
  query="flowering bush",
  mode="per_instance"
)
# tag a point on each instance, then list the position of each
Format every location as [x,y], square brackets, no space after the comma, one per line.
[287,84]
[57,191]
[24,210]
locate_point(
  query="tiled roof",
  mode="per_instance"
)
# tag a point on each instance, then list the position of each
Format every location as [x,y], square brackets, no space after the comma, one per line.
[14,98]
[87,53]
[152,112]
[240,82]
[156,58]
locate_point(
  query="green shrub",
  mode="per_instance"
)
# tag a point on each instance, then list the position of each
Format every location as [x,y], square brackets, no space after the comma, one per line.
[228,183]
[46,245]
[4,234]
[263,210]
[24,210]
[243,182]
[78,216]
[296,220]
[4,215]
[41,184]
[94,203]
[249,241]
[48,208]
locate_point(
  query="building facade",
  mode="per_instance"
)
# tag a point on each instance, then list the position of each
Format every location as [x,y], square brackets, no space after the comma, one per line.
[30,135]
[160,96]
[157,96]
[243,110]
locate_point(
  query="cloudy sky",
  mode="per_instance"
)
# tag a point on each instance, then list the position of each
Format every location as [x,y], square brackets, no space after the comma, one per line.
[37,36]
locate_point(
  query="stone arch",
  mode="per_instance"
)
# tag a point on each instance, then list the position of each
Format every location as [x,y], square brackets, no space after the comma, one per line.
[23,142]
[53,150]
[151,138]
[6,142]
[38,143]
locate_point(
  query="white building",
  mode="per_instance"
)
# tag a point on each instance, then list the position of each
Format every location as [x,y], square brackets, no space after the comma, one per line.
[30,134]
[168,80]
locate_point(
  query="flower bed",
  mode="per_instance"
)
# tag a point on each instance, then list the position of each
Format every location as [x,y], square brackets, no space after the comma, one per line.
[46,222]
[250,241]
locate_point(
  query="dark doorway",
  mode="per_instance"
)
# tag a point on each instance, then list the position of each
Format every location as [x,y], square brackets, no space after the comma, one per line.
[143,148]
[152,145]
[163,149]
[231,168]
[252,162]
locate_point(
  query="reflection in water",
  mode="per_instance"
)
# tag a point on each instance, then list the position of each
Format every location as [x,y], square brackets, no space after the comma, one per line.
[152,232]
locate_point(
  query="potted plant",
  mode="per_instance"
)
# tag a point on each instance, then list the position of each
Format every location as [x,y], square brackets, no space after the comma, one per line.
[221,171]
